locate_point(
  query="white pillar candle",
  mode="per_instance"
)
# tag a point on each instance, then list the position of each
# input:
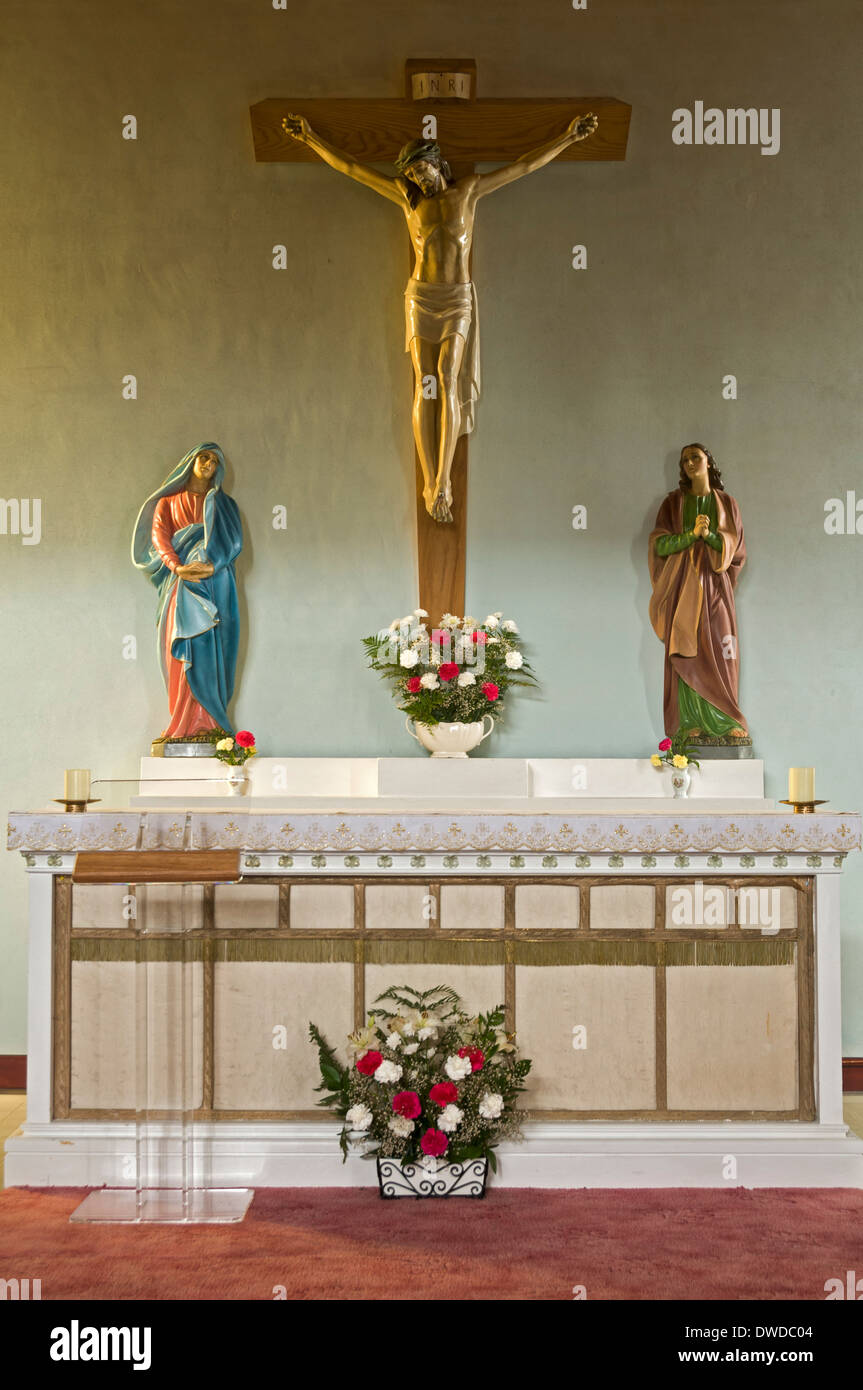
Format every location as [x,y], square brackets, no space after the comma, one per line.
[76,784]
[801,784]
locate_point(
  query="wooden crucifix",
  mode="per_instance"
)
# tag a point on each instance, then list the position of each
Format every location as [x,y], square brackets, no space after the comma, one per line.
[440,115]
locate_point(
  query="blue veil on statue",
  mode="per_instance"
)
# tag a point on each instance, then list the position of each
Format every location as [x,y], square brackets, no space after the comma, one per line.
[202,615]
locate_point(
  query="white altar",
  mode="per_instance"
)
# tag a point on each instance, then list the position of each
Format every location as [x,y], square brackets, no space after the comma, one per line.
[672,967]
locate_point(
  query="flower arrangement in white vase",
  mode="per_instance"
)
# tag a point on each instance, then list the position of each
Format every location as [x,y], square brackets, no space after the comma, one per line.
[235,750]
[449,682]
[674,753]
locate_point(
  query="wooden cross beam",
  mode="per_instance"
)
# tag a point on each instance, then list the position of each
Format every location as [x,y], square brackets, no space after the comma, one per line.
[469,131]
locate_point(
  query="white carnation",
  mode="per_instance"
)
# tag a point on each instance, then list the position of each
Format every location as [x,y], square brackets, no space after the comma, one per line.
[394,1041]
[359,1117]
[411,1049]
[426,1032]
[466,678]
[430,1051]
[420,613]
[514,660]
[225,745]
[388,1072]
[450,1118]
[409,657]
[400,1126]
[491,1105]
[456,1068]
[509,626]
[429,681]
[493,620]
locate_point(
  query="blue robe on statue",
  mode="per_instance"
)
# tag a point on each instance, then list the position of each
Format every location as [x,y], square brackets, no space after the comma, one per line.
[206,620]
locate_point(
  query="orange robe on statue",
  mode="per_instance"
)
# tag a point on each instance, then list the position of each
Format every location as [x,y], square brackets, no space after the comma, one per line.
[172,513]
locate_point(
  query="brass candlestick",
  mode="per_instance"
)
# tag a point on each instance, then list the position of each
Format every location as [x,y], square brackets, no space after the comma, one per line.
[803,808]
[72,806]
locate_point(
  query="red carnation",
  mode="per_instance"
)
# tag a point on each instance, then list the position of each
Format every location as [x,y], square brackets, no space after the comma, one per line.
[414,685]
[665,745]
[434,1142]
[490,690]
[244,739]
[369,1063]
[407,1103]
[444,1093]
[448,670]
[476,1055]
[480,637]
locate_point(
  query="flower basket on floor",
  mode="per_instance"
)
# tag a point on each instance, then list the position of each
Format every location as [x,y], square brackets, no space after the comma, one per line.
[450,683]
[397,1179]
[428,1092]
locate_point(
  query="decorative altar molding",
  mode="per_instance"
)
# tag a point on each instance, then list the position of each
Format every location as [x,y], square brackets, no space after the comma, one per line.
[412,832]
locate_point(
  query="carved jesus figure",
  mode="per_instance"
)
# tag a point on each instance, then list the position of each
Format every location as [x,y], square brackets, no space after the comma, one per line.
[440,299]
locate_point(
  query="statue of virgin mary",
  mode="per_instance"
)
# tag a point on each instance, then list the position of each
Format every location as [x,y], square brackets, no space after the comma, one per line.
[186,539]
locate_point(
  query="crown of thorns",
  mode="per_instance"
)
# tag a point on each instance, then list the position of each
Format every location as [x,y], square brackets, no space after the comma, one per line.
[416,150]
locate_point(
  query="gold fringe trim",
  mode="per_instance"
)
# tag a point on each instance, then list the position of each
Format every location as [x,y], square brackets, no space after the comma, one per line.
[585,952]
[434,951]
[438,951]
[315,950]
[765,951]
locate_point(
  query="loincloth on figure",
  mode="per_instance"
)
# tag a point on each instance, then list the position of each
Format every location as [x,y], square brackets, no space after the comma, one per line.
[435,312]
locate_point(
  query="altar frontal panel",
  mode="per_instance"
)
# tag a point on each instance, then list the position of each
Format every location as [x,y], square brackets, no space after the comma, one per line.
[590,1031]
[732,1037]
[262,1057]
[630,1006]
[105,1062]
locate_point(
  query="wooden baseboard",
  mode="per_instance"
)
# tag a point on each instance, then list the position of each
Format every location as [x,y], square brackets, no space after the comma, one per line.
[13,1073]
[852,1073]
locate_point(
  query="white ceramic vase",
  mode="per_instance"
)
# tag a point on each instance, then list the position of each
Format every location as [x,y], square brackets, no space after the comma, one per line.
[237,779]
[681,778]
[445,740]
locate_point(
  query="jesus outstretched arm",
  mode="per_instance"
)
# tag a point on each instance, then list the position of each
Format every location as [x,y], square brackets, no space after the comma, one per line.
[299,128]
[578,129]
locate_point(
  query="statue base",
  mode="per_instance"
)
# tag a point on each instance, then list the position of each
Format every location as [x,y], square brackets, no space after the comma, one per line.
[719,748]
[182,748]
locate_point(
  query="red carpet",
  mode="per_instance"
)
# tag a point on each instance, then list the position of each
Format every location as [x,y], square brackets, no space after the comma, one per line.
[344,1243]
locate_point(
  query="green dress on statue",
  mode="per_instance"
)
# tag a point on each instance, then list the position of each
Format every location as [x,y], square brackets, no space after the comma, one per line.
[695,711]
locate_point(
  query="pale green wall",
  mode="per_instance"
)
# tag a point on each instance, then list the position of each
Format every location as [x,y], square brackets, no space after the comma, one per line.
[154,258]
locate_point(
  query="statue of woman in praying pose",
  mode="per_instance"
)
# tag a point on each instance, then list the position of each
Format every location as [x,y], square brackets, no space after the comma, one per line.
[186,539]
[696,552]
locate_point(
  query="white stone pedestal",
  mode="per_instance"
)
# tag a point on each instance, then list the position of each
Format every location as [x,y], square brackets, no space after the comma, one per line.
[519,782]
